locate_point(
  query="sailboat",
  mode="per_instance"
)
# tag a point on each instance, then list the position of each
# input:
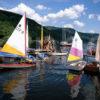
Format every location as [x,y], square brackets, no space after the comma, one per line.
[94,67]
[97,56]
[75,56]
[17,44]
[41,54]
[41,43]
[53,52]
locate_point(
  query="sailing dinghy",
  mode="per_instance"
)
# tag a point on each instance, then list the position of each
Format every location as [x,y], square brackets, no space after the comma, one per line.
[75,56]
[17,44]
[94,67]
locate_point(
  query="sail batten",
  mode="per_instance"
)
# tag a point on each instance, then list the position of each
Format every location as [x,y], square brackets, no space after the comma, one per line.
[16,44]
[76,52]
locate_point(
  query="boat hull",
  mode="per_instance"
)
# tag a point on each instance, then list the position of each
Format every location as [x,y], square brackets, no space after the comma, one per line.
[77,66]
[91,69]
[58,54]
[15,66]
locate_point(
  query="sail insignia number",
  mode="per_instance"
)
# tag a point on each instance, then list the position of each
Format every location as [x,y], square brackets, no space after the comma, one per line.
[19,28]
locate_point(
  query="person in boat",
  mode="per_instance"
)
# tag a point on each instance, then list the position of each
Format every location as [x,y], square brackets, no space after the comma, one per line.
[91,52]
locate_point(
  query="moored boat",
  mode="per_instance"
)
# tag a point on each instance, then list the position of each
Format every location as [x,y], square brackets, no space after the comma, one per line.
[17,44]
[58,53]
[75,56]
[94,66]
[21,65]
[64,43]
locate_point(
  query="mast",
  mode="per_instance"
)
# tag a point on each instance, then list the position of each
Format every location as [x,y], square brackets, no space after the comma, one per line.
[41,37]
[27,36]
[25,33]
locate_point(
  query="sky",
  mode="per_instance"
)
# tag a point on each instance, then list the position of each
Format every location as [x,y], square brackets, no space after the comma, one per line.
[82,15]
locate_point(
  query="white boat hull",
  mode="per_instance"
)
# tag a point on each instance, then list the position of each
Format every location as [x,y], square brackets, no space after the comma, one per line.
[58,54]
[78,66]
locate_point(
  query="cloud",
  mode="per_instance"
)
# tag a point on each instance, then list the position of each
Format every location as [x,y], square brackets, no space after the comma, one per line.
[75,24]
[31,13]
[68,26]
[41,7]
[78,23]
[98,17]
[91,16]
[1,8]
[22,8]
[92,31]
[96,1]
[72,12]
[94,16]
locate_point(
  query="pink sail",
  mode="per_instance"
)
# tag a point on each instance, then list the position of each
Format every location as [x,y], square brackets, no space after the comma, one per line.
[76,52]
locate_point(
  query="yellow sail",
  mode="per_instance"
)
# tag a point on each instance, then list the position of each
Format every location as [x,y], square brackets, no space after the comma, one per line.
[16,44]
[41,37]
[76,52]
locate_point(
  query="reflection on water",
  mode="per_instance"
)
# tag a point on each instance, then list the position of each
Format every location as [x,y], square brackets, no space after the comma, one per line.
[90,86]
[41,68]
[49,81]
[74,83]
[86,85]
[14,84]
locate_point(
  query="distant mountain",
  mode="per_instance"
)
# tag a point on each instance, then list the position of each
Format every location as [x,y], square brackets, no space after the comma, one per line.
[8,22]
[68,33]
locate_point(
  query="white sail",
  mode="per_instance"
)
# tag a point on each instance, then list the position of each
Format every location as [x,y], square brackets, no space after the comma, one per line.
[97,57]
[76,52]
[16,44]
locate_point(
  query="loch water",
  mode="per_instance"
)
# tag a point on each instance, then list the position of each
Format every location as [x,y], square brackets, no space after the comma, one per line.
[48,81]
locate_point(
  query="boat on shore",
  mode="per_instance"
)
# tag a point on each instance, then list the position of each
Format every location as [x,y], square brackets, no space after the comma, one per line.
[17,44]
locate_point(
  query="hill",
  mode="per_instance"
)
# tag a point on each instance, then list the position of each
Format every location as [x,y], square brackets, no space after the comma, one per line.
[8,22]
